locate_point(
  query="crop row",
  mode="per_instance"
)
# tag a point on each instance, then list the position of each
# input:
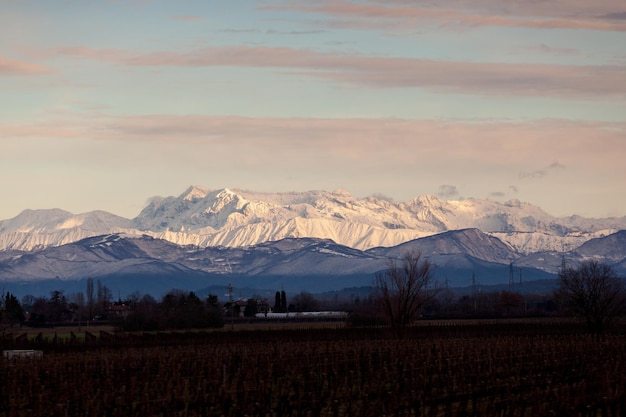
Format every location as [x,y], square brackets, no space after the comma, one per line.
[466,376]
[92,337]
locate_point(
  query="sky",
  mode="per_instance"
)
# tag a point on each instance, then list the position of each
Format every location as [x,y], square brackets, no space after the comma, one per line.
[105,104]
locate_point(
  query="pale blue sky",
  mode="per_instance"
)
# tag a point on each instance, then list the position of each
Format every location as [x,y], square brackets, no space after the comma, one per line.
[105,104]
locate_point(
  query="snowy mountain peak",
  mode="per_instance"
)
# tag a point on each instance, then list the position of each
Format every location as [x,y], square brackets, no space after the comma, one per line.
[224,202]
[342,192]
[195,192]
[428,200]
[33,220]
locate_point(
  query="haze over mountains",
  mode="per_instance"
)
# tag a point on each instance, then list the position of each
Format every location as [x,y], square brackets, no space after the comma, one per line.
[315,241]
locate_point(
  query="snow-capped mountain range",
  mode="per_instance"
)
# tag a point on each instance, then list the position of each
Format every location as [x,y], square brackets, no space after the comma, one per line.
[237,218]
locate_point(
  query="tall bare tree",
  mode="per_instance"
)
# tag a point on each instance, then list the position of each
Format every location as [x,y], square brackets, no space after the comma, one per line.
[404,287]
[593,291]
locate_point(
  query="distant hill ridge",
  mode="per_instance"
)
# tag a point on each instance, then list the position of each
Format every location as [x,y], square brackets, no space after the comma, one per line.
[148,265]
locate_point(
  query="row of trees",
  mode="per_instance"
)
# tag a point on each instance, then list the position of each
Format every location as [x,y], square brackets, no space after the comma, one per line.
[77,306]
[304,301]
[592,291]
[176,310]
[404,292]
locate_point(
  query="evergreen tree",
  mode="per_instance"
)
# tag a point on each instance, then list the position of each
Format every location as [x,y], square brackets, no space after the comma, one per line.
[57,307]
[13,313]
[283,301]
[251,309]
[212,300]
[277,302]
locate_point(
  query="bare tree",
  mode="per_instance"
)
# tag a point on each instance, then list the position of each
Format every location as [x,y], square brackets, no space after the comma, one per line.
[593,291]
[305,301]
[403,288]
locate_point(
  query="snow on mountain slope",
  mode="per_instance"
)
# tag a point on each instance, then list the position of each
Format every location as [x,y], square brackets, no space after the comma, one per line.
[242,218]
[36,229]
[470,242]
[611,247]
[50,220]
[238,218]
[532,242]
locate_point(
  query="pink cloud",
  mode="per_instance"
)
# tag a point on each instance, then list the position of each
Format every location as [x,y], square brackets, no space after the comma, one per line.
[351,145]
[403,15]
[13,67]
[404,157]
[485,78]
[49,130]
[472,138]
[104,54]
[408,140]
[390,72]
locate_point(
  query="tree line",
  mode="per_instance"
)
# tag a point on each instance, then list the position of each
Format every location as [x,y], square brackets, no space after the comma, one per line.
[177,309]
[402,293]
[407,289]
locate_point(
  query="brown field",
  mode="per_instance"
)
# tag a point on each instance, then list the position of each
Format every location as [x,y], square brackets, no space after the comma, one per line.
[65,332]
[62,332]
[482,368]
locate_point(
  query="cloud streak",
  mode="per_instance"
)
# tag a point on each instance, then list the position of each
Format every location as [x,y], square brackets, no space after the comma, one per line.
[405,15]
[541,173]
[387,72]
[403,157]
[13,67]
[448,192]
[365,140]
